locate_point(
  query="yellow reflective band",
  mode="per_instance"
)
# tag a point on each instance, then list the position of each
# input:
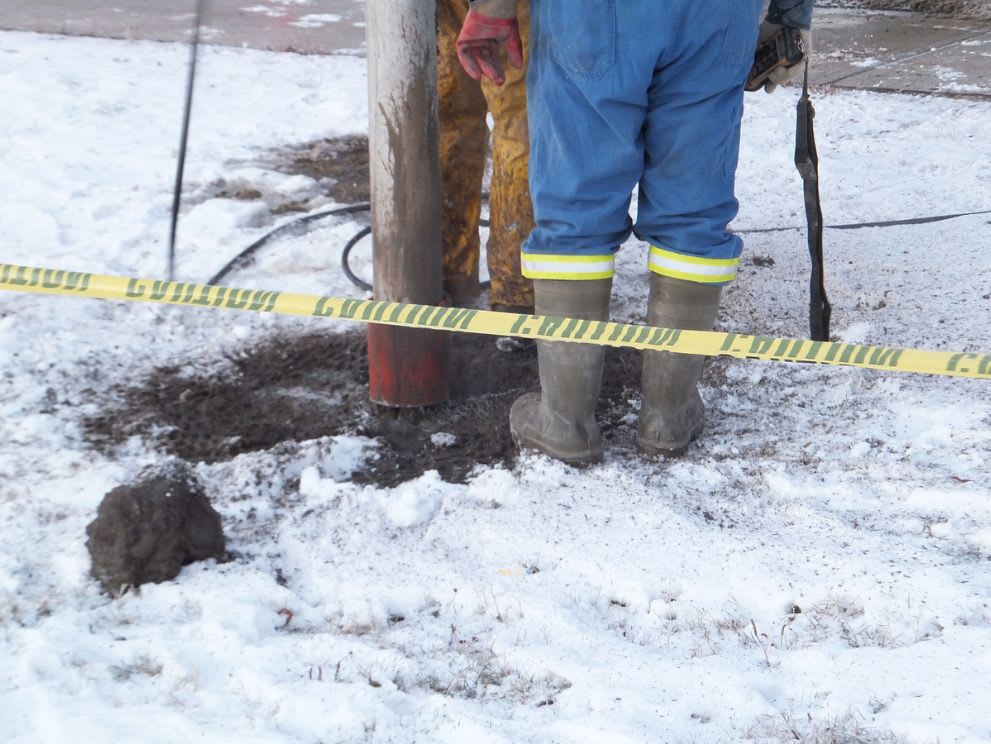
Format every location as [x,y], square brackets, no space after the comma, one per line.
[552,266]
[692,268]
[566,275]
[976,365]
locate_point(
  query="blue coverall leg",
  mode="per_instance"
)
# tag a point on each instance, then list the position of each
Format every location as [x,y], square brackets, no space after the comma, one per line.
[627,92]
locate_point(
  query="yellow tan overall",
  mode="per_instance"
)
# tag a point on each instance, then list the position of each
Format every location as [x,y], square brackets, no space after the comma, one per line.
[463,106]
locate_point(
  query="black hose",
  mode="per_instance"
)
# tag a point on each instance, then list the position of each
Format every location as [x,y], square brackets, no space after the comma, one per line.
[346,265]
[241,259]
[862,225]
[361,283]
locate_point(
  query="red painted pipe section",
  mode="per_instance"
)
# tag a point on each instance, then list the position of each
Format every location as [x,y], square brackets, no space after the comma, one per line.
[407,367]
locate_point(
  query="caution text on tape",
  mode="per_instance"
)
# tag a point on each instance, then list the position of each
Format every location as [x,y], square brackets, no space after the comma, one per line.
[461,320]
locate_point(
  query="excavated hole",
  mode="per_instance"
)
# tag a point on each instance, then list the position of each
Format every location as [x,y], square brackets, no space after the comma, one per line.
[311,386]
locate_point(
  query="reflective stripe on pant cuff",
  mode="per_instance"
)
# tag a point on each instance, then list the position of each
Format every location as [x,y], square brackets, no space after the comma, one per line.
[553,266]
[692,268]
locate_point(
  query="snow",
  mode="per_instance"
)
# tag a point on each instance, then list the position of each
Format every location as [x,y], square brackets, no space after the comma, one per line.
[316,20]
[817,566]
[443,439]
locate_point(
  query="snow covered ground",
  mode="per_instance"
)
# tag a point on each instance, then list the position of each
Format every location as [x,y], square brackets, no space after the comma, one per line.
[816,569]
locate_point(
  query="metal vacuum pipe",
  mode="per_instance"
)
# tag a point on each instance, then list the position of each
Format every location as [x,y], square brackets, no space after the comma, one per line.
[406,367]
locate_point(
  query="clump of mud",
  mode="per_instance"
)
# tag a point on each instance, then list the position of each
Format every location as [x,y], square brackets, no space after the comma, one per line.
[311,386]
[147,531]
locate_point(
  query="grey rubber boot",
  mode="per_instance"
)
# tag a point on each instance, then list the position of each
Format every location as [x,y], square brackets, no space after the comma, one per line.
[672,414]
[560,421]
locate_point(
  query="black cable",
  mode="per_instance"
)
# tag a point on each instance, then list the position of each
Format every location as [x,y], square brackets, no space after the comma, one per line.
[184,136]
[241,259]
[910,221]
[346,265]
[861,225]
[361,283]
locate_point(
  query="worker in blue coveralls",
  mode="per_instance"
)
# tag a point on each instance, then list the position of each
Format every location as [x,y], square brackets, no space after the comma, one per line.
[624,93]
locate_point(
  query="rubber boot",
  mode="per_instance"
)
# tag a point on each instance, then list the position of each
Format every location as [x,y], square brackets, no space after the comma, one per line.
[672,414]
[560,421]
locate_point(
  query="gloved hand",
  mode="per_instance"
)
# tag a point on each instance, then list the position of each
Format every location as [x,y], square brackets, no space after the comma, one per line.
[785,74]
[480,41]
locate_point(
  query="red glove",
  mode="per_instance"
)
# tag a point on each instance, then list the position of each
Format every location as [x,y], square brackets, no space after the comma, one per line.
[479,43]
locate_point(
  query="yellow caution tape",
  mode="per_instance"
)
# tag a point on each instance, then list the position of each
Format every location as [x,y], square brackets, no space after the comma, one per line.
[647,338]
[510,572]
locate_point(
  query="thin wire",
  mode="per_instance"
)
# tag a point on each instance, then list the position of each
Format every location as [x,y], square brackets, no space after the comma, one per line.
[184,137]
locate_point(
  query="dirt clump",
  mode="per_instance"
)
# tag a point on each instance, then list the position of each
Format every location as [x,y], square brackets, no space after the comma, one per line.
[147,531]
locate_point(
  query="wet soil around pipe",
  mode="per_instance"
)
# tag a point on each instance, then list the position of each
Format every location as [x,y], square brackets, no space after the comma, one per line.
[296,389]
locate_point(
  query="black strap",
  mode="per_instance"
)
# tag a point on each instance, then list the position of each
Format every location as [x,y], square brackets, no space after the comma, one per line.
[807,162]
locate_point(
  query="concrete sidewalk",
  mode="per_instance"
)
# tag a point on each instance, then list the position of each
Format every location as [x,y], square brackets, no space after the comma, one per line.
[902,52]
[307,26]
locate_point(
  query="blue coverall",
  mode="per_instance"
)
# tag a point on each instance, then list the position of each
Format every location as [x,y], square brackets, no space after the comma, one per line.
[648,92]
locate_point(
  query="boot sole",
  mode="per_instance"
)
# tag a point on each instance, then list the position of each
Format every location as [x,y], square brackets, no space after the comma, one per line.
[577,461]
[649,450]
[657,452]
[581,462]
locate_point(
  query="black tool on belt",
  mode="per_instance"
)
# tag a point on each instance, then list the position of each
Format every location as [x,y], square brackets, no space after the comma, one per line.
[784,49]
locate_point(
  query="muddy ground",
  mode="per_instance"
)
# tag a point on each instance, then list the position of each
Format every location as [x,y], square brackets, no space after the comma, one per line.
[285,390]
[296,389]
[338,164]
[341,163]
